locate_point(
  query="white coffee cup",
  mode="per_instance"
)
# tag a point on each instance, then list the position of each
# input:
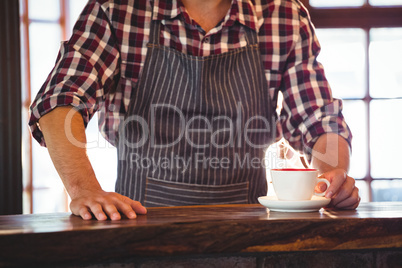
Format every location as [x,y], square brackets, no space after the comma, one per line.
[296,184]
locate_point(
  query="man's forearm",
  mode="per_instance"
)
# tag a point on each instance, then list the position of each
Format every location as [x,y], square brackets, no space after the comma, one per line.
[64,133]
[331,151]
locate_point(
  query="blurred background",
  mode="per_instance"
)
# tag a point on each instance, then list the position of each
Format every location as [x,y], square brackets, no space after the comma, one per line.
[361,52]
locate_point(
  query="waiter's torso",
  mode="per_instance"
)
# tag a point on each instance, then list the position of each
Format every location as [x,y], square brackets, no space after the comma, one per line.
[196,127]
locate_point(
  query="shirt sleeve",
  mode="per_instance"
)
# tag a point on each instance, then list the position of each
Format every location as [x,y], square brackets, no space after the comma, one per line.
[309,110]
[84,72]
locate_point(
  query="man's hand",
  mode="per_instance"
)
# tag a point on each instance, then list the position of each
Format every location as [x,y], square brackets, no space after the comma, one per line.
[64,132]
[331,155]
[103,205]
[342,191]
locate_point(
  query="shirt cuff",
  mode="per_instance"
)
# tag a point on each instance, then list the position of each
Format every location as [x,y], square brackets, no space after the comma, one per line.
[327,119]
[46,105]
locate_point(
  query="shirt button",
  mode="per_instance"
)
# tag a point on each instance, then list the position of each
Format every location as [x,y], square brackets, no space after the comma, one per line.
[206,40]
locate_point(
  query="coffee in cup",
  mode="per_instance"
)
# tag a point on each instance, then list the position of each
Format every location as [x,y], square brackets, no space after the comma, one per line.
[296,184]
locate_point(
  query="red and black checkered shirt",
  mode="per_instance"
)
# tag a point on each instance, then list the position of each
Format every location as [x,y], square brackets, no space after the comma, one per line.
[110,38]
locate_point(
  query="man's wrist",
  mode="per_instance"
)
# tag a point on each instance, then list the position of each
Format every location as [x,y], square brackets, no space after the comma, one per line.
[330,152]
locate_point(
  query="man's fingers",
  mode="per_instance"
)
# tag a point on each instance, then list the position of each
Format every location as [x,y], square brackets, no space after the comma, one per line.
[321,187]
[112,212]
[127,210]
[106,205]
[84,213]
[138,207]
[80,210]
[345,191]
[131,208]
[337,179]
[352,202]
[342,191]
[97,210]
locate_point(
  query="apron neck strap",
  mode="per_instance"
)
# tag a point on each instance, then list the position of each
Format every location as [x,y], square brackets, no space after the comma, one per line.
[154,32]
[251,36]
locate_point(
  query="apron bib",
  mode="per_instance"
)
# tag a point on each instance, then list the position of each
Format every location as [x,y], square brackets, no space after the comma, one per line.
[196,128]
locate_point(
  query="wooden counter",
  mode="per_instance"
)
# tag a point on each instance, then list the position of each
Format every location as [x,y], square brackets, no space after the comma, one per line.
[245,235]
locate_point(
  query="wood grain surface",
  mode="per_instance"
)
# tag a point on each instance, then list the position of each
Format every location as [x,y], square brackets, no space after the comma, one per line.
[180,231]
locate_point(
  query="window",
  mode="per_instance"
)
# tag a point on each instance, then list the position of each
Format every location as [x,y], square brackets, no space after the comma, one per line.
[44,24]
[361,55]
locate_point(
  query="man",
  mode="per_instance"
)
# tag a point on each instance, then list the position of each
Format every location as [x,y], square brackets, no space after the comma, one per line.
[186,90]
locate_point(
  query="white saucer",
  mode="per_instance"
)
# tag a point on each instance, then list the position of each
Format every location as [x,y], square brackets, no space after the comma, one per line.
[274,204]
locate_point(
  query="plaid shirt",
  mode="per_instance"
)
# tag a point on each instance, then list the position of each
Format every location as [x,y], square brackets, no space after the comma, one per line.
[109,41]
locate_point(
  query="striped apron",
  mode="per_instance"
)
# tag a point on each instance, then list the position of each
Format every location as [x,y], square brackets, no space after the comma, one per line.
[196,128]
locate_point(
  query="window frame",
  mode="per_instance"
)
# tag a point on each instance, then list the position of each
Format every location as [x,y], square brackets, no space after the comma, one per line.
[366,16]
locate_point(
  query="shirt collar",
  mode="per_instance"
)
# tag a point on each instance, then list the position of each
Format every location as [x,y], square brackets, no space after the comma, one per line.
[246,13]
[242,11]
[165,10]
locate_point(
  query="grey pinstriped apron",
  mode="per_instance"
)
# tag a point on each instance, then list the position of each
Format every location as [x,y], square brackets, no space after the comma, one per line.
[196,127]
